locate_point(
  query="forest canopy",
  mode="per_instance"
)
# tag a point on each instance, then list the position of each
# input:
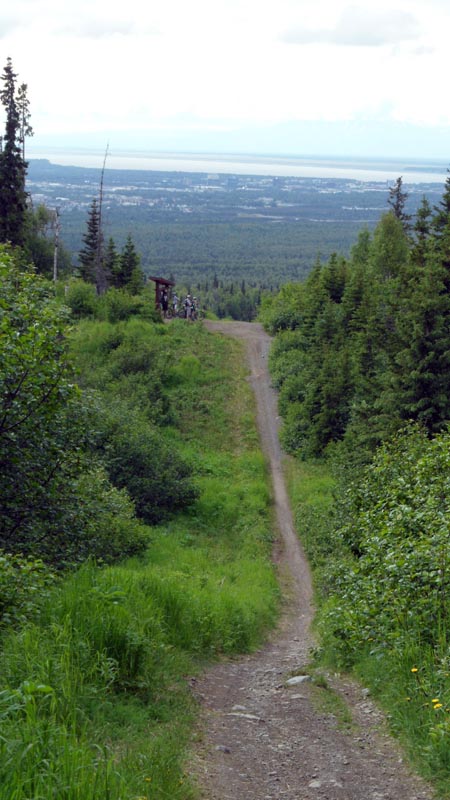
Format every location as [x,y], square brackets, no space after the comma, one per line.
[362,346]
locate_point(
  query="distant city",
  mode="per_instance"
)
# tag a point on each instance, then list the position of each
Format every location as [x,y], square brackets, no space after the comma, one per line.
[177,194]
[260,228]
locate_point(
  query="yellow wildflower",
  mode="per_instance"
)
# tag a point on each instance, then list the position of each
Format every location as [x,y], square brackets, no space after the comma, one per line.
[438,705]
[435,700]
[414,669]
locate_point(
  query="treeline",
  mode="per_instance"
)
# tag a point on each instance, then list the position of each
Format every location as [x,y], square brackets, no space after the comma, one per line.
[362,359]
[363,344]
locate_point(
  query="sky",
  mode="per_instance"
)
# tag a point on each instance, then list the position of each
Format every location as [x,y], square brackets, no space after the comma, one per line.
[300,77]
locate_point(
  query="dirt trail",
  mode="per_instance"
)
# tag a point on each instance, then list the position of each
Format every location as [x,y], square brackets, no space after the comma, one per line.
[263,740]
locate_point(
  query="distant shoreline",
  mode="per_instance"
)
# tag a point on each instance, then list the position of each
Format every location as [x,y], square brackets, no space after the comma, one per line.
[358,169]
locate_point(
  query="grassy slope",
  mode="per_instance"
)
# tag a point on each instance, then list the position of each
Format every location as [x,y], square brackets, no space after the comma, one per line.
[94,700]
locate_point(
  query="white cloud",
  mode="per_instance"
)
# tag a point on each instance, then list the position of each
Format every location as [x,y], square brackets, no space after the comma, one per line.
[362,27]
[101,65]
[96,27]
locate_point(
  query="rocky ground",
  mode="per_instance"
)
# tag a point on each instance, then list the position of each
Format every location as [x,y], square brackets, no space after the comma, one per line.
[264,736]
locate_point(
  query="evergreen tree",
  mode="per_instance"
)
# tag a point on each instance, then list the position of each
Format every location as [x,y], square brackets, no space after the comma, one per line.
[112,263]
[129,274]
[397,200]
[23,105]
[420,375]
[442,211]
[92,239]
[422,232]
[12,165]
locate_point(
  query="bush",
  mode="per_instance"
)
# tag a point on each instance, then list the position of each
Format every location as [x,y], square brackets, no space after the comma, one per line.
[139,460]
[53,505]
[81,298]
[39,410]
[117,305]
[24,587]
[106,527]
[396,523]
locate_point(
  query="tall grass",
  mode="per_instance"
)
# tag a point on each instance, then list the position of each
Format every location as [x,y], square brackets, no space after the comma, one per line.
[94,703]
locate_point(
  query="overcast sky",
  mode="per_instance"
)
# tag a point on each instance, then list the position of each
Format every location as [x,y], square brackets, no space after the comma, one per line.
[288,76]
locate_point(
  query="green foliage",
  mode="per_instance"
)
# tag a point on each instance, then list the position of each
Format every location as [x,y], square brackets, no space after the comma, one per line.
[127,272]
[24,587]
[91,252]
[39,452]
[118,304]
[396,525]
[53,504]
[12,163]
[397,200]
[81,298]
[283,311]
[93,697]
[139,459]
[102,526]
[39,242]
[372,346]
[127,362]
[379,548]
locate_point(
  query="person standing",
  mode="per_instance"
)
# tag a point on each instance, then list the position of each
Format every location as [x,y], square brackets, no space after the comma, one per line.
[188,306]
[164,302]
[175,302]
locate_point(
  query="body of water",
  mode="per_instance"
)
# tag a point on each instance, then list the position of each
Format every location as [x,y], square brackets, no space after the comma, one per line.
[365,170]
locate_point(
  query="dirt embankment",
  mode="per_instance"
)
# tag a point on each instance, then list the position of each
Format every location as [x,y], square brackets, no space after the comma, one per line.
[262,739]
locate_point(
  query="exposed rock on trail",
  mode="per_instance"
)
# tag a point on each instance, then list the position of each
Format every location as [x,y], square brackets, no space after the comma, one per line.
[263,739]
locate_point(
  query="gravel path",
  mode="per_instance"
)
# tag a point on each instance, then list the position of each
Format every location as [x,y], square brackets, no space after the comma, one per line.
[260,738]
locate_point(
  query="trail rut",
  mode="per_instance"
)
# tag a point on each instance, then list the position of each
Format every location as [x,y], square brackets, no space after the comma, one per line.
[259,738]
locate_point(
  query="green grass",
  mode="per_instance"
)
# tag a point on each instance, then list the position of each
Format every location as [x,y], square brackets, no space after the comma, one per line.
[311,489]
[94,702]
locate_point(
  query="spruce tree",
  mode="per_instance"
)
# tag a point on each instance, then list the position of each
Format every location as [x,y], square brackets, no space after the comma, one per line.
[422,232]
[442,211]
[13,167]
[130,275]
[112,262]
[92,239]
[397,200]
[23,105]
[420,374]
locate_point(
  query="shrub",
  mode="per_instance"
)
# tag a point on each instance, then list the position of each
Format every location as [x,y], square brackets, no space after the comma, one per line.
[39,409]
[24,586]
[139,460]
[396,522]
[118,304]
[52,505]
[81,298]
